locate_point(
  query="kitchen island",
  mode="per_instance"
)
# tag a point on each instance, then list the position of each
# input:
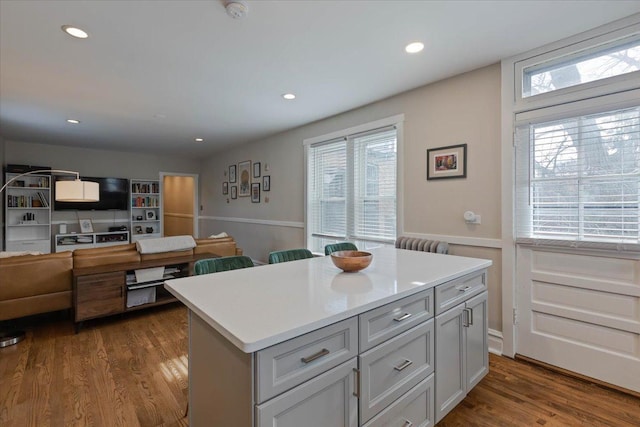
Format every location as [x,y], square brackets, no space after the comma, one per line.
[305,344]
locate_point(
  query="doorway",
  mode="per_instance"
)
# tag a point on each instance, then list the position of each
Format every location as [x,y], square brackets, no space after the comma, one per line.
[179,208]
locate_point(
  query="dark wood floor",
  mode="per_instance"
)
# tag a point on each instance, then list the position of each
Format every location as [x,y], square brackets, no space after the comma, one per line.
[132,371]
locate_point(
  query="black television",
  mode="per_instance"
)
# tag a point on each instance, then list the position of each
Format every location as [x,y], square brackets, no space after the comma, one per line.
[114,195]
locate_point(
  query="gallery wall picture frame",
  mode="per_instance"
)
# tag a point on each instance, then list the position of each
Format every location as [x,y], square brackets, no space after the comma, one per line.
[266,183]
[447,162]
[232,173]
[255,192]
[234,191]
[256,170]
[150,215]
[244,178]
[225,187]
[86,226]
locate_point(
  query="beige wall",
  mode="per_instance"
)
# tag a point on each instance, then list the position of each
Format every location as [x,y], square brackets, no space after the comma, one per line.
[2,162]
[462,109]
[92,162]
[177,192]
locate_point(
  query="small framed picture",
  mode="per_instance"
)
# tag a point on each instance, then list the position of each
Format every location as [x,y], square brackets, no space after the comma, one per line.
[225,187]
[256,170]
[234,191]
[150,215]
[244,173]
[232,173]
[86,226]
[447,162]
[138,229]
[266,183]
[255,192]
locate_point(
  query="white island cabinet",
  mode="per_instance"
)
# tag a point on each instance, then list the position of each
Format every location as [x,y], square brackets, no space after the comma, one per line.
[304,344]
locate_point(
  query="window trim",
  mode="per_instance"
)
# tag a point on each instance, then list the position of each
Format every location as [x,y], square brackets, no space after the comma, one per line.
[397,121]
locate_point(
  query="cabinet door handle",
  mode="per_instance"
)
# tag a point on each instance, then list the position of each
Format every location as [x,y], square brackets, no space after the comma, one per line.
[404,365]
[313,357]
[465,318]
[403,317]
[470,316]
[356,380]
[407,423]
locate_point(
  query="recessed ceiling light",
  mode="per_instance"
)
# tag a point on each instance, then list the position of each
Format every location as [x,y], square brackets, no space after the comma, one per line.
[199,140]
[75,31]
[73,121]
[414,47]
[289,96]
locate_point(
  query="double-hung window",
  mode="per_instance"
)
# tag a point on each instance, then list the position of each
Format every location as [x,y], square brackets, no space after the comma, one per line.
[351,189]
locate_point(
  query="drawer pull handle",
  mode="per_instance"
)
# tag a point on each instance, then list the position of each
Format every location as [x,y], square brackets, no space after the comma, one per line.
[406,364]
[403,317]
[464,288]
[313,357]
[407,423]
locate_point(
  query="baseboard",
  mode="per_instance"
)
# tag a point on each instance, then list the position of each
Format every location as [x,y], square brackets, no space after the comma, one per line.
[495,342]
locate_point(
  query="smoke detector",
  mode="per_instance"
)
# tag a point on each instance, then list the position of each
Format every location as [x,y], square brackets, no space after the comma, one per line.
[237,9]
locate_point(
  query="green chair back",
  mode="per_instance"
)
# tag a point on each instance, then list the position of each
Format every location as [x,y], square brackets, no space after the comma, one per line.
[289,255]
[215,265]
[342,246]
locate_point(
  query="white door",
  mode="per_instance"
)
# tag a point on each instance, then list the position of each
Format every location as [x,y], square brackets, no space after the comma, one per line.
[581,312]
[477,339]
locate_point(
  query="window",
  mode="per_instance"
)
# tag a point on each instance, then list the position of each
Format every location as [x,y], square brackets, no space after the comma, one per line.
[578,178]
[351,189]
[615,59]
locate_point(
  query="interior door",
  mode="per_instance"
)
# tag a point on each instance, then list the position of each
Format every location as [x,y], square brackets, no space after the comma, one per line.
[580,311]
[179,204]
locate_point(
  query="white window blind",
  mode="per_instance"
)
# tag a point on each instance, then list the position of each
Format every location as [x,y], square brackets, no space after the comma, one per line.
[578,180]
[351,190]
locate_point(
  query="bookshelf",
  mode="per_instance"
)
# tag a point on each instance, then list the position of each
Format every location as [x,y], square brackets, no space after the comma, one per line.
[145,209]
[27,213]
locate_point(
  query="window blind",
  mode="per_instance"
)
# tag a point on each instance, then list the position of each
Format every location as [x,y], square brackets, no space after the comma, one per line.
[578,180]
[351,189]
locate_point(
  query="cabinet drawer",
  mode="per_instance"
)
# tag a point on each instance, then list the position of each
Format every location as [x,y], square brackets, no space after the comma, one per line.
[285,365]
[414,409]
[452,293]
[382,323]
[393,368]
[43,246]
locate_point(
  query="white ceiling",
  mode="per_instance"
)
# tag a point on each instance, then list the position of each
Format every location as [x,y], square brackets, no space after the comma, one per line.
[153,75]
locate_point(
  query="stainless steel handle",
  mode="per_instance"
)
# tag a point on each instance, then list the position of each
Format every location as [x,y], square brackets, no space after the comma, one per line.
[406,364]
[403,317]
[470,319]
[407,423]
[356,379]
[467,317]
[313,357]
[463,288]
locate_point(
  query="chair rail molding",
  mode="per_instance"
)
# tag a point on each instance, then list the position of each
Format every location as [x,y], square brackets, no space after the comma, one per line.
[292,224]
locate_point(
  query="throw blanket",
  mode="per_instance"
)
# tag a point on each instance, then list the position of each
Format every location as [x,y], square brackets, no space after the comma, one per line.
[165,244]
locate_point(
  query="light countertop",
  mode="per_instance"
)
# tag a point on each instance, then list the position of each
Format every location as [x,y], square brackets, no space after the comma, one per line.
[257,307]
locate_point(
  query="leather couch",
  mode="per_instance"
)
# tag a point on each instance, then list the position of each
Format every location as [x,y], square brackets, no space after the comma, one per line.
[34,284]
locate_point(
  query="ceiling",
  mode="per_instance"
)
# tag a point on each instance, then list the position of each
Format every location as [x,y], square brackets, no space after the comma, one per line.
[154,75]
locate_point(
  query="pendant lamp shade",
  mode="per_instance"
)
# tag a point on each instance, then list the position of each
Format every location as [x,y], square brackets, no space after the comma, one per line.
[77,191]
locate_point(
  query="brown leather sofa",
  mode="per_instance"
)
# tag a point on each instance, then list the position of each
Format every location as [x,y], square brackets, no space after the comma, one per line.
[34,284]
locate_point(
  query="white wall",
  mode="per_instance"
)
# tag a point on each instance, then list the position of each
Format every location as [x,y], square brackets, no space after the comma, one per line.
[462,109]
[99,163]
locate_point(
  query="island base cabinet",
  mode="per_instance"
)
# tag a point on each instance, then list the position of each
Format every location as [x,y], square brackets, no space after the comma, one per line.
[327,400]
[415,408]
[462,358]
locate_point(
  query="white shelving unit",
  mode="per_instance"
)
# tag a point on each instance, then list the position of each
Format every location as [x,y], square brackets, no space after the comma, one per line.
[27,213]
[145,209]
[72,241]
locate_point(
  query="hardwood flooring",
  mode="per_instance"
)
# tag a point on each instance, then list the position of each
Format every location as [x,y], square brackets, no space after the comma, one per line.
[132,371]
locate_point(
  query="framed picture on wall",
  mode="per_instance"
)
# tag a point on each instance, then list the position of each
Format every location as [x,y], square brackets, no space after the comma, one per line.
[232,173]
[255,192]
[266,183]
[256,170]
[244,177]
[225,187]
[234,191]
[447,162]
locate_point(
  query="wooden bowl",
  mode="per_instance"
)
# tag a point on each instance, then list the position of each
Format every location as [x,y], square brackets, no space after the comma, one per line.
[350,261]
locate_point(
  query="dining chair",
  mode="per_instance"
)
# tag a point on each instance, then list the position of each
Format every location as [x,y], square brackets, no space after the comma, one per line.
[342,246]
[289,255]
[215,265]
